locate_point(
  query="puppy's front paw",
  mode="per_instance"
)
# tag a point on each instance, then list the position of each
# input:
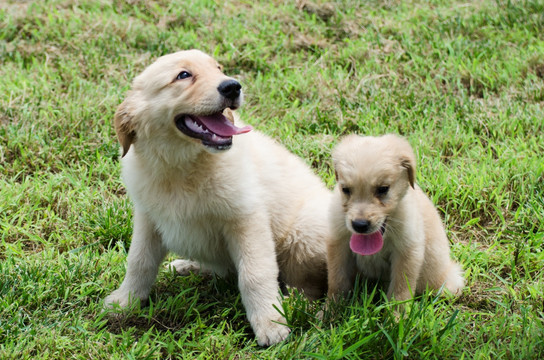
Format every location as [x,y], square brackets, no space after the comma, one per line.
[184,267]
[119,297]
[270,331]
[398,293]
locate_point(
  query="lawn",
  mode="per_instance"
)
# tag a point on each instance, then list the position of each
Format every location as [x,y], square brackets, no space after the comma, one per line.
[462,81]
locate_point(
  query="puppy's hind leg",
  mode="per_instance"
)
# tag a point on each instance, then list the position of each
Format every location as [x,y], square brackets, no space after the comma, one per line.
[144,257]
[303,267]
[184,267]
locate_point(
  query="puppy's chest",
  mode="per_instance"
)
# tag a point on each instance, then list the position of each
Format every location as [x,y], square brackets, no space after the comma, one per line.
[191,223]
[377,265]
[184,199]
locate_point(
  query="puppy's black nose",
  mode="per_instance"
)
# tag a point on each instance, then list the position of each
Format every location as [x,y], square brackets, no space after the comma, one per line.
[230,89]
[361,225]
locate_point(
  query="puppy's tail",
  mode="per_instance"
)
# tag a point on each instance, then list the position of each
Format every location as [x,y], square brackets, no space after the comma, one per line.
[455,282]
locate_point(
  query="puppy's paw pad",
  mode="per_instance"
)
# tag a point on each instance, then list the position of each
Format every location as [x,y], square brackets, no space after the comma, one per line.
[184,267]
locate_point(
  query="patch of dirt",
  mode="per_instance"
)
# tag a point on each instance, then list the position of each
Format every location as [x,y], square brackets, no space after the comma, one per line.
[323,11]
[16,8]
[4,119]
[474,87]
[305,42]
[117,323]
[539,70]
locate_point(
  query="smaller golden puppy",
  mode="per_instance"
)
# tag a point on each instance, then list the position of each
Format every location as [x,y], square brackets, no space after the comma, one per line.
[383,225]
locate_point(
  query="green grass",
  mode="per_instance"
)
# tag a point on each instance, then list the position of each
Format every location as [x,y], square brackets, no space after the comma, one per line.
[462,81]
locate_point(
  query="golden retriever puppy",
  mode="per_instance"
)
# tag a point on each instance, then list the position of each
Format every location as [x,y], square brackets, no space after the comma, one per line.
[244,206]
[382,224]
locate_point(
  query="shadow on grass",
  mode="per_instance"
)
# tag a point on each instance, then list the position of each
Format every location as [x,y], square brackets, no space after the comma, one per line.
[177,302]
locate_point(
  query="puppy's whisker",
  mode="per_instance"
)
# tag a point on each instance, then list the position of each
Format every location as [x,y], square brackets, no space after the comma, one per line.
[395,225]
[392,230]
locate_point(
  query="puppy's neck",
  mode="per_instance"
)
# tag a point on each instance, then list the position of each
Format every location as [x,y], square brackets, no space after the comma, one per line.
[183,160]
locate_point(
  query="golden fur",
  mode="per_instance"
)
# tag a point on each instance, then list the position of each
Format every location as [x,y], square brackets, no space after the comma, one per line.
[415,251]
[255,210]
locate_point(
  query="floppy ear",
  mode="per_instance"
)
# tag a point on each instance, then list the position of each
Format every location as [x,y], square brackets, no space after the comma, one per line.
[409,164]
[407,158]
[124,127]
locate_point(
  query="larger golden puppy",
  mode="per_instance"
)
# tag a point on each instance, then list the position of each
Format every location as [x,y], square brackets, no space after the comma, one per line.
[245,206]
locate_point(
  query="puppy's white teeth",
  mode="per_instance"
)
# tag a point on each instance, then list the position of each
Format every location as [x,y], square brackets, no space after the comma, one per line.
[192,126]
[195,127]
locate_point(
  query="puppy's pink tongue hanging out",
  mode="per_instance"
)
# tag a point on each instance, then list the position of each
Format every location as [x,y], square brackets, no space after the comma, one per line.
[220,125]
[366,244]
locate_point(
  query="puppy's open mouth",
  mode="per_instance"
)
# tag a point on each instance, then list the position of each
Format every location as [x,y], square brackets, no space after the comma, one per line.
[214,130]
[367,244]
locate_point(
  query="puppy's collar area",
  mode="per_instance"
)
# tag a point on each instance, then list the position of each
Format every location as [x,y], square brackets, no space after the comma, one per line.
[213,130]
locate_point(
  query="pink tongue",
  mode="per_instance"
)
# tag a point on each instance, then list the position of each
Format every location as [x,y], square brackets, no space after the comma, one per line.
[220,125]
[366,244]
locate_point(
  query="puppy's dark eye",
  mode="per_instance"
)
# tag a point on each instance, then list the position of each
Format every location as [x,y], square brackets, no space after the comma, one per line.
[346,190]
[382,190]
[183,75]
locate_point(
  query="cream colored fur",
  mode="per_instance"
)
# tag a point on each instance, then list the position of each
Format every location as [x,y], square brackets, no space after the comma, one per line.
[255,210]
[416,250]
